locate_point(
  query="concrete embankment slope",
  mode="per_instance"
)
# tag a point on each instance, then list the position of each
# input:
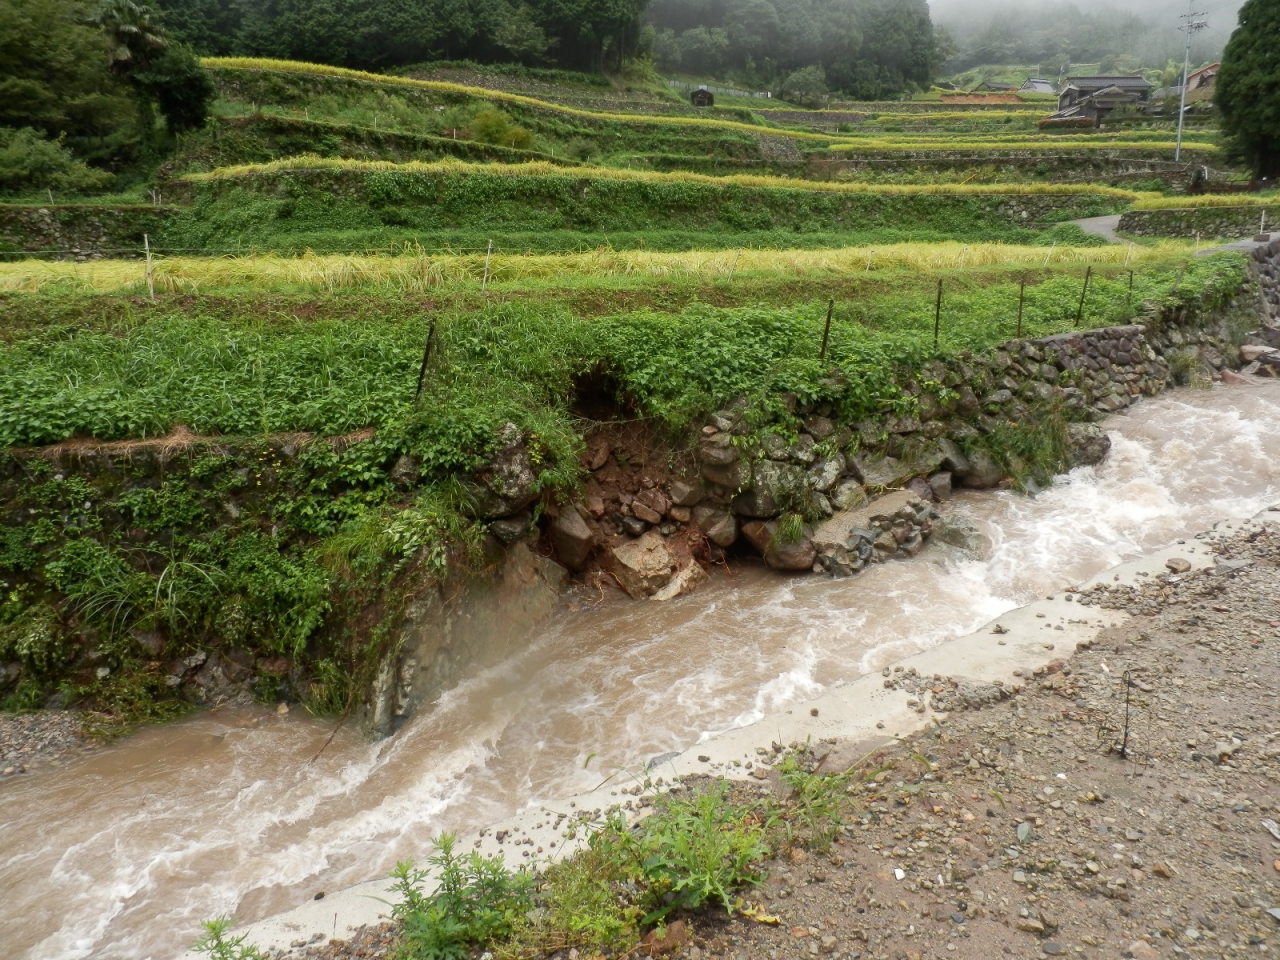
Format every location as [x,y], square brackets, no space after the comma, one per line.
[858,716]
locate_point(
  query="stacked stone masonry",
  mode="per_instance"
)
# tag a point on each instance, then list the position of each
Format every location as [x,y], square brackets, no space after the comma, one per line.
[775,491]
[1204,222]
[79,232]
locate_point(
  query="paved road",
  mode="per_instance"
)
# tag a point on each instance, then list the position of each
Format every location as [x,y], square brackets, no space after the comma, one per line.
[1105,227]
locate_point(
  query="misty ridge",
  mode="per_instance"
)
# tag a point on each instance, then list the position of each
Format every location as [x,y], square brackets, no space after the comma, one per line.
[1132,36]
[872,49]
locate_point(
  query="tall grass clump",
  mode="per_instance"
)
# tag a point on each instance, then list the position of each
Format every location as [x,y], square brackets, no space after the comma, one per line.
[1202,201]
[455,168]
[415,272]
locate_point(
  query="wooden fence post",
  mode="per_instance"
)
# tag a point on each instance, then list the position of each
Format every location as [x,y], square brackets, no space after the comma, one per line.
[1080,309]
[1022,293]
[826,331]
[426,358]
[937,315]
[151,277]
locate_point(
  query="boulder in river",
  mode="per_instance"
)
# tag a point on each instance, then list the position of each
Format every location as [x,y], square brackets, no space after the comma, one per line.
[793,555]
[963,534]
[983,473]
[643,566]
[572,538]
[687,579]
[1089,444]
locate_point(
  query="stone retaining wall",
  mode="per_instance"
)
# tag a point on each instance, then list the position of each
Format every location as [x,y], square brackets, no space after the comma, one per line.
[752,486]
[1264,266]
[79,231]
[1233,222]
[1063,168]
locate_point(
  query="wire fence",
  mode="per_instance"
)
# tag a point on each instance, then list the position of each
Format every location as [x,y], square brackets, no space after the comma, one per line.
[727,91]
[406,248]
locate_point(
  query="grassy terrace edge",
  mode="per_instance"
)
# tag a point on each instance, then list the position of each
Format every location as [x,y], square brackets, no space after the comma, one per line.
[834,142]
[440,86]
[309,162]
[423,271]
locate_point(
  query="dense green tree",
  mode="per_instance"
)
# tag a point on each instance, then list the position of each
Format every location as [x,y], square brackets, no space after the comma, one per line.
[179,86]
[807,86]
[54,74]
[865,48]
[134,36]
[519,34]
[381,34]
[1248,88]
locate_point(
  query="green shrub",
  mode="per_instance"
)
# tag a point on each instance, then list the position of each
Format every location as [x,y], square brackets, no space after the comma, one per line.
[33,637]
[477,900]
[491,125]
[219,946]
[690,852]
[29,162]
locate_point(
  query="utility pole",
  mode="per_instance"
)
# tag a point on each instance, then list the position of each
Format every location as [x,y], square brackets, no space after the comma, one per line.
[1189,28]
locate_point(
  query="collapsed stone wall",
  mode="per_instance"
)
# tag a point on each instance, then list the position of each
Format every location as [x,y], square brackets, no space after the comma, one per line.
[1201,221]
[80,232]
[749,486]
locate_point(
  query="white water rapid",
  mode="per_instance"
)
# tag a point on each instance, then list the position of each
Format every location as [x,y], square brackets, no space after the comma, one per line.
[121,854]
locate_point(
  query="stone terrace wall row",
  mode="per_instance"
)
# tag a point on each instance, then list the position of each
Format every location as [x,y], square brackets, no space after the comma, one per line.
[1087,374]
[1264,265]
[1201,221]
[79,232]
[1056,168]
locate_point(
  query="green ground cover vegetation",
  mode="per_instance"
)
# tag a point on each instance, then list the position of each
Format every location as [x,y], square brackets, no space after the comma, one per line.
[354,209]
[320,530]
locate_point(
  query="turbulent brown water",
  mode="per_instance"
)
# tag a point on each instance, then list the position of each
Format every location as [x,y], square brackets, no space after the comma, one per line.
[122,854]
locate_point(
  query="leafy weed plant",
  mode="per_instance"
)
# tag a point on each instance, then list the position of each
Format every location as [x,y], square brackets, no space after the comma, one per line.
[814,811]
[477,901]
[219,945]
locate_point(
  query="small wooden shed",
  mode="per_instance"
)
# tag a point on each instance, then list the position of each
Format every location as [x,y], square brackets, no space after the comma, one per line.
[702,97]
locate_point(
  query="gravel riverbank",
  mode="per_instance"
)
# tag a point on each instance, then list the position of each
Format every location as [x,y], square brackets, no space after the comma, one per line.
[31,740]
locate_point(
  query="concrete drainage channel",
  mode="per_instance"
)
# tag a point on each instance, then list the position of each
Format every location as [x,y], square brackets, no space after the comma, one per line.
[849,719]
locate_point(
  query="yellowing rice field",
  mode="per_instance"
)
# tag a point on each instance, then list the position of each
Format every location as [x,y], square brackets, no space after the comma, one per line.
[543,169]
[836,142]
[1157,202]
[413,272]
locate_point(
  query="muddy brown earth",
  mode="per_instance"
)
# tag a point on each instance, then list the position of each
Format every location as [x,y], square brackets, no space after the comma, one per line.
[1032,827]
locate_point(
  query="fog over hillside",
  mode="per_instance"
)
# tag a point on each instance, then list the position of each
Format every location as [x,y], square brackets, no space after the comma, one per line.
[1080,31]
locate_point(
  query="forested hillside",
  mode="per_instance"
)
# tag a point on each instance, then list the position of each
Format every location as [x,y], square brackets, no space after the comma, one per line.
[378,34]
[867,49]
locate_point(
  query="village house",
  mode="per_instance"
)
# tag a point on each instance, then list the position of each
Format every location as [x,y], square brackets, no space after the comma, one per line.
[1037,85]
[1093,98]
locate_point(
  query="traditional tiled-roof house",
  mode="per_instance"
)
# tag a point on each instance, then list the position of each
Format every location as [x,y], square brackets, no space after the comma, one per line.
[1078,89]
[1037,85]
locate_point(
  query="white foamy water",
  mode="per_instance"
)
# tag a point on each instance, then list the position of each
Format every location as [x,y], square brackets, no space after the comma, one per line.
[121,855]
